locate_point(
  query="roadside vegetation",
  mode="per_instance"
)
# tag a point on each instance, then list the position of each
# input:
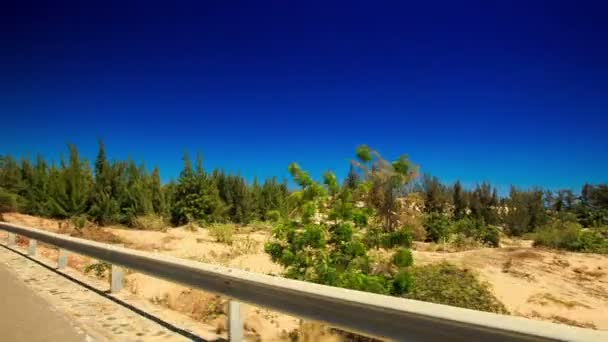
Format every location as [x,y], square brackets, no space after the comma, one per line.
[354,234]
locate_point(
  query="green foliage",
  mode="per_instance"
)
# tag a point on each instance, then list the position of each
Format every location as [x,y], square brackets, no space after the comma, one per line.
[435,195]
[9,201]
[572,237]
[79,222]
[403,258]
[69,187]
[483,202]
[364,153]
[438,227]
[526,211]
[447,284]
[477,230]
[459,200]
[196,196]
[100,268]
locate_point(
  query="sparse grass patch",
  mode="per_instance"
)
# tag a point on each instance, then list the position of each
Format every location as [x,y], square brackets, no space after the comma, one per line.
[447,284]
[222,232]
[150,222]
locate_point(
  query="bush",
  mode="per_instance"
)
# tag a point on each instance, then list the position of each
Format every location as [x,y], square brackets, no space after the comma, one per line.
[222,232]
[401,238]
[403,258]
[447,284]
[79,222]
[273,215]
[10,201]
[477,230]
[437,227]
[572,237]
[150,222]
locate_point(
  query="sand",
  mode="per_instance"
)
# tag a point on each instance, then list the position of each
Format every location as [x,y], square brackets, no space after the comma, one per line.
[568,288]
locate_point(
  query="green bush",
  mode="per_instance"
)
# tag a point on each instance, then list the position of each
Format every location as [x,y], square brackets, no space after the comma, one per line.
[222,232]
[79,222]
[273,215]
[447,284]
[478,230]
[401,238]
[360,217]
[572,237]
[9,201]
[403,258]
[438,227]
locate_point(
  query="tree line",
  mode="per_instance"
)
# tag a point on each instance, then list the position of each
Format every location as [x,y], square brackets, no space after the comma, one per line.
[119,191]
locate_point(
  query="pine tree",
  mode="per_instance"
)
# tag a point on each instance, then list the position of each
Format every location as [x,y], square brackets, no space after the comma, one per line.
[156,192]
[459,200]
[70,187]
[352,179]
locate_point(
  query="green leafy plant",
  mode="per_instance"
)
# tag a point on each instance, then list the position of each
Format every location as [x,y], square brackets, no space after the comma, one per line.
[100,268]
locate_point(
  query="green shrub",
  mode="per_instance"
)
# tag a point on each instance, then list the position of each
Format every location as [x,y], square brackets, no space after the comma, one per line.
[79,222]
[402,283]
[10,201]
[222,232]
[360,217]
[438,227]
[447,284]
[273,215]
[403,258]
[572,237]
[478,230]
[401,238]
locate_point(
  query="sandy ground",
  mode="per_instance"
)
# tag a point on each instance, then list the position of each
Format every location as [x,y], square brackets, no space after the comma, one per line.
[569,288]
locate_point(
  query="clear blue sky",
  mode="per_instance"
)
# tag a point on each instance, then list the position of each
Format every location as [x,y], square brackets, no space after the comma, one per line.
[511,93]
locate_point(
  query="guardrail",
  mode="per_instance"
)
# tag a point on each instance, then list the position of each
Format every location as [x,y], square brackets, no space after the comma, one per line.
[370,314]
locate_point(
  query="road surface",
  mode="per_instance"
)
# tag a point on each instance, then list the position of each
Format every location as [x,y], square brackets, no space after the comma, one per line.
[24,316]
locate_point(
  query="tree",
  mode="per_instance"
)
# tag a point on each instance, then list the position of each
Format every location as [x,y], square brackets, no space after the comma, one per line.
[483,202]
[435,194]
[383,183]
[196,196]
[70,187]
[352,179]
[459,200]
[156,193]
[525,212]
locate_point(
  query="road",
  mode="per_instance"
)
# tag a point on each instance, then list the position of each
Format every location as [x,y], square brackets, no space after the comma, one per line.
[24,316]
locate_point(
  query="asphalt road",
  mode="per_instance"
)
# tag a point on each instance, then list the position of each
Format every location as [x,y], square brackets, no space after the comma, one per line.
[24,316]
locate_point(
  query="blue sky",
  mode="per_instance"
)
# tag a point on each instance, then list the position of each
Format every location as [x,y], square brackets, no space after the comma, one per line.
[510,92]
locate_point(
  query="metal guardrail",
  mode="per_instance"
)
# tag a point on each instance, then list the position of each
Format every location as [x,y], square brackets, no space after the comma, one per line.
[361,312]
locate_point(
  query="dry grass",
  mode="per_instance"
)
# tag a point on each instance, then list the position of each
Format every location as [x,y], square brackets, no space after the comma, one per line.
[526,254]
[547,298]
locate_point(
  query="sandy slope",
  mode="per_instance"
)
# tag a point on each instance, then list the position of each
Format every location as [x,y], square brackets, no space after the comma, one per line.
[570,288]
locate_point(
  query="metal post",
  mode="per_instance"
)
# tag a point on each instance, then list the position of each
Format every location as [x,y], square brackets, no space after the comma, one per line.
[235,323]
[62,261]
[11,239]
[116,278]
[31,251]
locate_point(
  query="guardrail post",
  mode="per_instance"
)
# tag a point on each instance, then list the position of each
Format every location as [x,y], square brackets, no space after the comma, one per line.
[11,239]
[62,261]
[235,323]
[31,251]
[116,278]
